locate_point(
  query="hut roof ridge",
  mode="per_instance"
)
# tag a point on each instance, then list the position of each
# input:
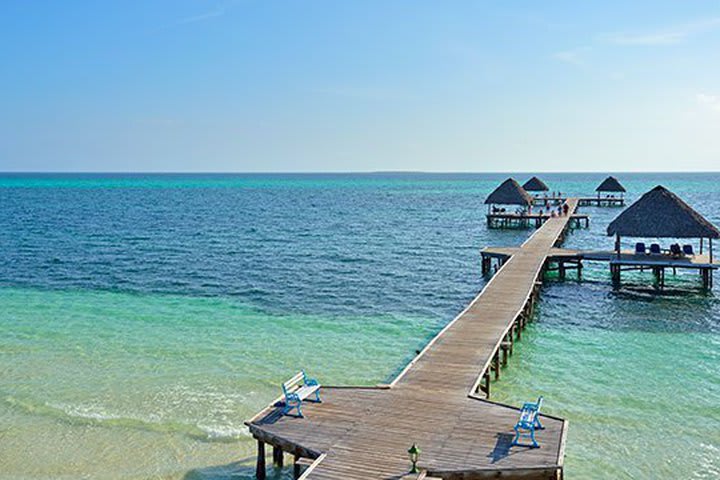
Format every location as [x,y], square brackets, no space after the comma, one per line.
[660,213]
[509,193]
[535,185]
[610,184]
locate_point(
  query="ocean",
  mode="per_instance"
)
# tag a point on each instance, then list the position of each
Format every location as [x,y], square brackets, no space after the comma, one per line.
[143,318]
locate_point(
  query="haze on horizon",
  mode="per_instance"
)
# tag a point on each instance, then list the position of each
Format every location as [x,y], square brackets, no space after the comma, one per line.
[408,85]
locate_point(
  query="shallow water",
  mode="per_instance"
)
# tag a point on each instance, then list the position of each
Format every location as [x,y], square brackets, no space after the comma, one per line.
[144,317]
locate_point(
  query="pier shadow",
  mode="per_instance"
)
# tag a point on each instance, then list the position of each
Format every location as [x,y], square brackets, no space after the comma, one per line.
[502,447]
[243,469]
[273,416]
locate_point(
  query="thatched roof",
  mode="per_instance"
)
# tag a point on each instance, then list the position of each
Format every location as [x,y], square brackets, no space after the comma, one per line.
[661,213]
[509,193]
[535,185]
[610,184]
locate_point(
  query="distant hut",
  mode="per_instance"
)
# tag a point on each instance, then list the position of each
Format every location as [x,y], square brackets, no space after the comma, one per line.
[610,185]
[535,185]
[509,193]
[660,213]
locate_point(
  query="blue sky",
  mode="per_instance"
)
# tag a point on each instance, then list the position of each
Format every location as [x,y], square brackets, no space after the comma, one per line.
[202,85]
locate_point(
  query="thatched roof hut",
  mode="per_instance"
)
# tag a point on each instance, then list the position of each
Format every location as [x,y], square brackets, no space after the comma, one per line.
[509,193]
[610,184]
[660,213]
[535,185]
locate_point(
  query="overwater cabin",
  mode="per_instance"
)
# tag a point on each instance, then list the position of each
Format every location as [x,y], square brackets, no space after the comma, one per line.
[660,214]
[535,185]
[508,205]
[610,192]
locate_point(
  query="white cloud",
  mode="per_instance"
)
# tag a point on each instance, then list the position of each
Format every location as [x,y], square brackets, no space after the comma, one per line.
[573,57]
[668,36]
[709,101]
[203,16]
[569,56]
[218,11]
[359,92]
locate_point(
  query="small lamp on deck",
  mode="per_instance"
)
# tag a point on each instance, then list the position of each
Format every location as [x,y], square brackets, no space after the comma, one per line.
[414,453]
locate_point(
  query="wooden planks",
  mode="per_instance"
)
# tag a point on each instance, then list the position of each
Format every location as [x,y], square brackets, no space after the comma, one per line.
[362,433]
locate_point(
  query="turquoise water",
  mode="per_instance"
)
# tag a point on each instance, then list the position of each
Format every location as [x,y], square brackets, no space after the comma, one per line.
[145,317]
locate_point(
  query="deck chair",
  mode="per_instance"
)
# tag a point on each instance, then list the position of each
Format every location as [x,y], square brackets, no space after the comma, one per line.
[655,249]
[640,248]
[688,250]
[675,250]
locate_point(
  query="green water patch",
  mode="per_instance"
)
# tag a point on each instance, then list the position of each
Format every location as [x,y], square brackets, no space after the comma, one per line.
[638,379]
[171,368]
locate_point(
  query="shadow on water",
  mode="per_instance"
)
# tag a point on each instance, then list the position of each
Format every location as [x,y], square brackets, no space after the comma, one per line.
[243,469]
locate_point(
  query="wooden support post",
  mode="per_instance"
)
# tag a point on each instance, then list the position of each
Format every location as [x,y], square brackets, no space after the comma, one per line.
[260,472]
[615,273]
[505,346]
[496,365]
[530,308]
[296,466]
[487,384]
[662,277]
[561,267]
[277,457]
[518,330]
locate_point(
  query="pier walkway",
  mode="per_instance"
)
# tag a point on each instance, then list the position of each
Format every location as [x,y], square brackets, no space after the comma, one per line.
[438,401]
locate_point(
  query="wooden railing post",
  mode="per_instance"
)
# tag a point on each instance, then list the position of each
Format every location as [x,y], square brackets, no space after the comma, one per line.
[277,457]
[260,472]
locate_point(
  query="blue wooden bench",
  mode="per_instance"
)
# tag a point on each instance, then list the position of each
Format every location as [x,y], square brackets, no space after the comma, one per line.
[298,389]
[527,424]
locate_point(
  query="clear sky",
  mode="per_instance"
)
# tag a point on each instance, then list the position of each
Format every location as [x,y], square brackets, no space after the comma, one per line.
[365,85]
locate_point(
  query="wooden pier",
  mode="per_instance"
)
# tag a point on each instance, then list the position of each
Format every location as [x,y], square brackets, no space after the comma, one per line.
[563,259]
[439,401]
[526,220]
[582,201]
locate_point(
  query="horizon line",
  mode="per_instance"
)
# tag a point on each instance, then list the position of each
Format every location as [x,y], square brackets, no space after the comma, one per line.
[339,172]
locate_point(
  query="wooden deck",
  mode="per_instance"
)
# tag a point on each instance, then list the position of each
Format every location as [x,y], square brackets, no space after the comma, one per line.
[525,220]
[595,201]
[571,259]
[436,401]
[626,256]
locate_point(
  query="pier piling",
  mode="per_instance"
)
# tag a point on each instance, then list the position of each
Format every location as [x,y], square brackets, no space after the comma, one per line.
[260,471]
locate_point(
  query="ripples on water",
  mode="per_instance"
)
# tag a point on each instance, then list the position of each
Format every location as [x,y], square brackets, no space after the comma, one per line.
[144,317]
